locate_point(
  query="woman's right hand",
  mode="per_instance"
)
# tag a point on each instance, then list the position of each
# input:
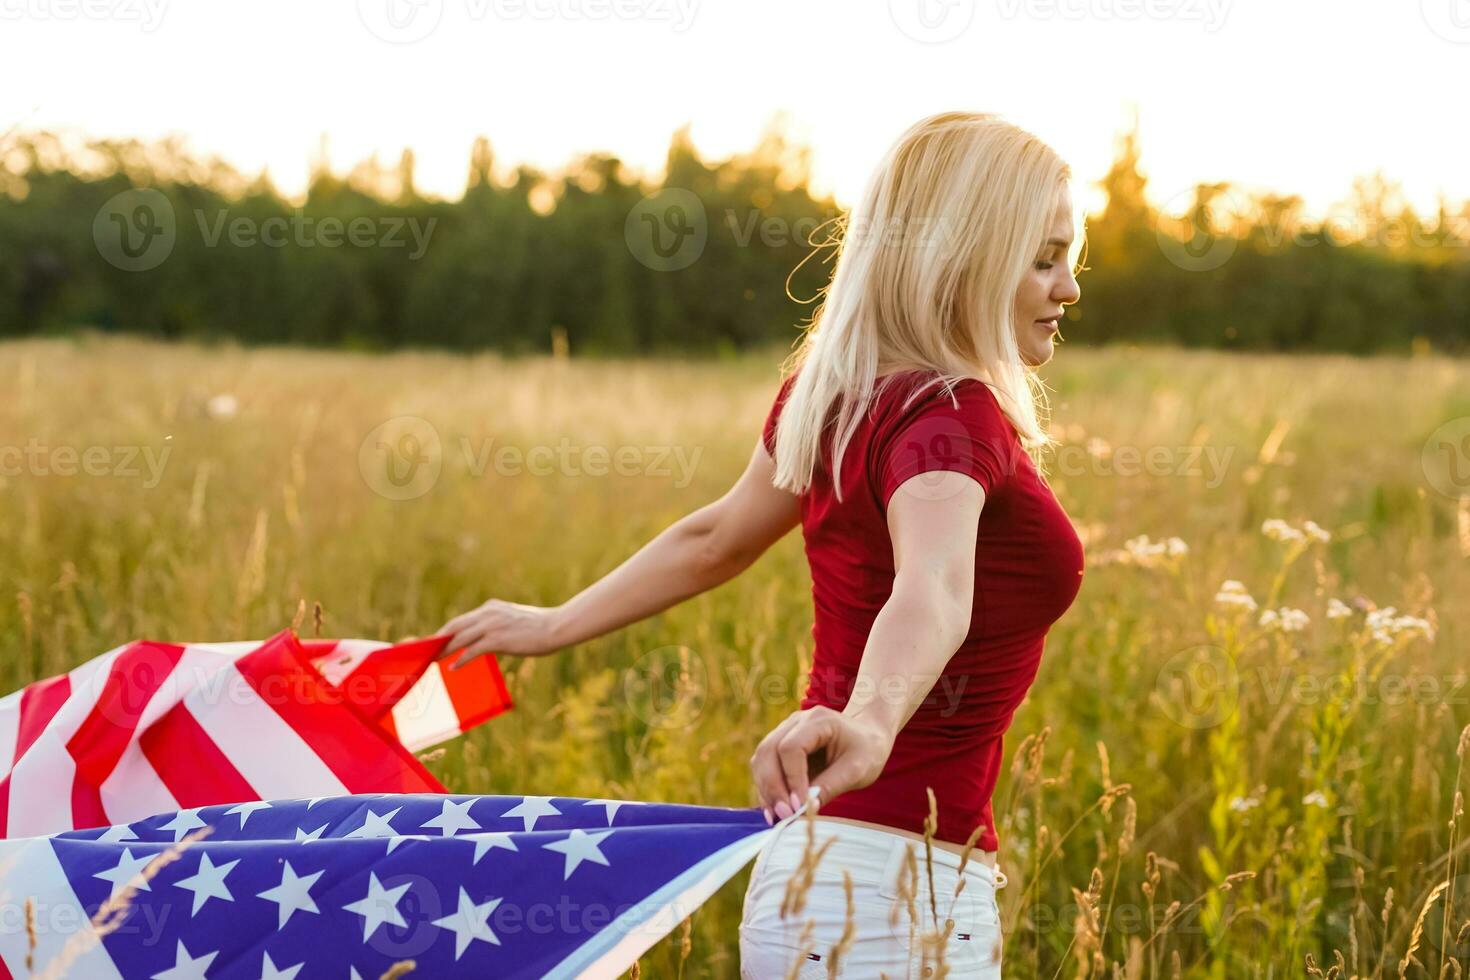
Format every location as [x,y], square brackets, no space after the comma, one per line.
[856,749]
[503,627]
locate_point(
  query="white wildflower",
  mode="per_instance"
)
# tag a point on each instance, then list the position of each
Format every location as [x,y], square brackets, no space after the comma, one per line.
[1315,798]
[1337,609]
[1243,803]
[1315,531]
[1293,620]
[1233,594]
[1270,619]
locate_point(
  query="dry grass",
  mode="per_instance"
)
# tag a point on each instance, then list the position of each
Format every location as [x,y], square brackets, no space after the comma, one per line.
[1307,812]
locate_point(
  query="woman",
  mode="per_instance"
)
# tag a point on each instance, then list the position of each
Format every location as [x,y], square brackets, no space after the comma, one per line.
[939,560]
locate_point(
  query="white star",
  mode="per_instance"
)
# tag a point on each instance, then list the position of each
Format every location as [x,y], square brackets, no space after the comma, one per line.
[380,905]
[455,817]
[489,842]
[292,894]
[128,871]
[470,922]
[187,967]
[377,826]
[269,971]
[309,835]
[246,809]
[183,822]
[116,834]
[612,807]
[579,846]
[531,809]
[208,882]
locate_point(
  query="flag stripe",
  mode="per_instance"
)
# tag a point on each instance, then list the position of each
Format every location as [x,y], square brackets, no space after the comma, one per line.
[359,753]
[63,920]
[251,734]
[190,765]
[104,735]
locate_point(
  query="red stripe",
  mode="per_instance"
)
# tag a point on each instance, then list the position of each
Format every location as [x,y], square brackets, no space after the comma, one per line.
[188,762]
[38,705]
[360,753]
[477,691]
[99,742]
[386,675]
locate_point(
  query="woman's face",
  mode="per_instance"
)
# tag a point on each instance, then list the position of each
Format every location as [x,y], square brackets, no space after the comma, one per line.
[1047,288]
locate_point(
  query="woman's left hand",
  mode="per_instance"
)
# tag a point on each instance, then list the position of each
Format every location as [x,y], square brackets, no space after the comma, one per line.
[856,751]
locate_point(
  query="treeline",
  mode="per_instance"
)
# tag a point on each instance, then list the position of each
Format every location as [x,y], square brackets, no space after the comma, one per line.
[148,238]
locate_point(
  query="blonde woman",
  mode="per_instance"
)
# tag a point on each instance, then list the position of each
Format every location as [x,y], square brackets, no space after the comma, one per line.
[939,559]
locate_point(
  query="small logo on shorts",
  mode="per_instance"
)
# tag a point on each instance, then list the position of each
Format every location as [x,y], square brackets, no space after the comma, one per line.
[814,957]
[962,935]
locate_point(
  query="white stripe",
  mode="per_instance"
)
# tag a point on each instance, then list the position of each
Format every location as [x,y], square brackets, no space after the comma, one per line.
[9,730]
[268,753]
[609,954]
[40,783]
[29,869]
[425,716]
[345,658]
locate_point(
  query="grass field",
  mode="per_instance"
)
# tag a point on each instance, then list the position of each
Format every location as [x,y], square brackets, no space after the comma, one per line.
[1170,741]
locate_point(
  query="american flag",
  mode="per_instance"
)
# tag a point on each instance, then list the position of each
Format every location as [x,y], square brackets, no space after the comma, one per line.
[254,810]
[150,727]
[345,888]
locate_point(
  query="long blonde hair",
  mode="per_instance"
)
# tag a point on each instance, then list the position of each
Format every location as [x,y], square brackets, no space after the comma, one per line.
[929,263]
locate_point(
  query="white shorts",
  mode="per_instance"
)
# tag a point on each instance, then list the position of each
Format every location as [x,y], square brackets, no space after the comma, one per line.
[770,945]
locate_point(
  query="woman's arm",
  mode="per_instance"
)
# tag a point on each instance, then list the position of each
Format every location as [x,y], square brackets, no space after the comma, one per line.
[694,554]
[933,525]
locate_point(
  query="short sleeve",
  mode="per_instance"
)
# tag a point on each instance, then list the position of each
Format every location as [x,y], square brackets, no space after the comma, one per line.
[967,433]
[768,432]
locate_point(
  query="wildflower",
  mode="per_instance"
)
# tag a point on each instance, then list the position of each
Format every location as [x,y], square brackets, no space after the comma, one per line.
[1337,609]
[1315,798]
[1293,620]
[1270,619]
[1278,530]
[1385,626]
[1243,803]
[1234,594]
[222,406]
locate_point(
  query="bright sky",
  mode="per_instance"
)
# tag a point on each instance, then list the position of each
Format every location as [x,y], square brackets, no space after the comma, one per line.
[1289,95]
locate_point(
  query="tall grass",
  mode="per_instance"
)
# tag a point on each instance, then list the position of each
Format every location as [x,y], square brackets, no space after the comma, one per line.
[1190,792]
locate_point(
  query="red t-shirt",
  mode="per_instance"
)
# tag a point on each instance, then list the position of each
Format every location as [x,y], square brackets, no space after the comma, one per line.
[1028,569]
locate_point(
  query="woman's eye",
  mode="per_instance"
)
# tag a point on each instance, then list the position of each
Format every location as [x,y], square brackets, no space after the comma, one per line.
[1043,266]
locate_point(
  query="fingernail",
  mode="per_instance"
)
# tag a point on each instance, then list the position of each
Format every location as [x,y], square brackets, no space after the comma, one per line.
[767,811]
[795,802]
[782,810]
